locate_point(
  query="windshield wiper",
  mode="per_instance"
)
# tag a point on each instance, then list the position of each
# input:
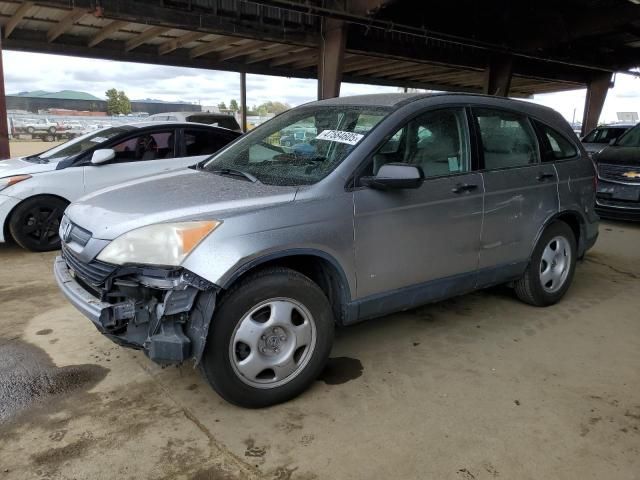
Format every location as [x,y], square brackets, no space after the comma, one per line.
[35,159]
[232,172]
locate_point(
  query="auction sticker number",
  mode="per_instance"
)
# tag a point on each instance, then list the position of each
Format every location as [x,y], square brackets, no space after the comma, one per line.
[350,138]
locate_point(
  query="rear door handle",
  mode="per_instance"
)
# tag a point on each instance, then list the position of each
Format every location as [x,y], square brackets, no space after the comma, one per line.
[545,176]
[464,187]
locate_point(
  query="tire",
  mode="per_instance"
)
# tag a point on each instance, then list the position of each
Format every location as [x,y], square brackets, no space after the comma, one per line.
[49,138]
[35,222]
[30,130]
[52,130]
[552,266]
[286,321]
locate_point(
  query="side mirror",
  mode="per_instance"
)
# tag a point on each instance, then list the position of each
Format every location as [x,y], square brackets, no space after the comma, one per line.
[395,176]
[102,156]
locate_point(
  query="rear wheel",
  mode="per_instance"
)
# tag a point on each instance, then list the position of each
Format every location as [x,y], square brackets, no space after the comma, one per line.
[35,222]
[269,339]
[551,269]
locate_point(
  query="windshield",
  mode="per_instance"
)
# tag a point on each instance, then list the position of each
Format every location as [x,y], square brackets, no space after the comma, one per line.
[80,144]
[301,146]
[631,138]
[603,134]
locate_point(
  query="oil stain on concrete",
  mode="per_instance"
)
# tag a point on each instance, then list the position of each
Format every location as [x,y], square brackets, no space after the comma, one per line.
[28,377]
[341,370]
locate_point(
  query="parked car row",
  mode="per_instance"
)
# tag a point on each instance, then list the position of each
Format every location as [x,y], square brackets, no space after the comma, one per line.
[597,139]
[618,165]
[331,213]
[35,190]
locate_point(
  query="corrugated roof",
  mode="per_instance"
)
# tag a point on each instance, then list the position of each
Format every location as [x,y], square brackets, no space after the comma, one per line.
[61,95]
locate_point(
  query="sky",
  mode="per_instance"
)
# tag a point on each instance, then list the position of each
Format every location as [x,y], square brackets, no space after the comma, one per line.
[32,71]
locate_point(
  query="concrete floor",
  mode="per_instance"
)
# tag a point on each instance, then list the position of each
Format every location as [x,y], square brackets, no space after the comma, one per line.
[24,147]
[478,387]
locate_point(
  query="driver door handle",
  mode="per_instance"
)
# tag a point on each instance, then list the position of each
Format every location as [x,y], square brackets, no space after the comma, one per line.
[545,176]
[464,187]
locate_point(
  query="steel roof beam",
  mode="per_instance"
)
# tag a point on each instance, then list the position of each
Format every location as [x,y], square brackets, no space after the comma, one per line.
[217,44]
[273,52]
[179,42]
[251,47]
[17,17]
[149,34]
[65,24]
[106,31]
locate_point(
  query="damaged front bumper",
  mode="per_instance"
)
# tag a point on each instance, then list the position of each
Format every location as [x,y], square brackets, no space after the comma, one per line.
[164,312]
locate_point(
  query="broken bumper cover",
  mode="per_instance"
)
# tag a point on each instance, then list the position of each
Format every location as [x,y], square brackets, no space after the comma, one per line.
[169,330]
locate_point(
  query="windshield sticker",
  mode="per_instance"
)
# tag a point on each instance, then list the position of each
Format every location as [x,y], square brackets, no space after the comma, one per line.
[350,138]
[98,139]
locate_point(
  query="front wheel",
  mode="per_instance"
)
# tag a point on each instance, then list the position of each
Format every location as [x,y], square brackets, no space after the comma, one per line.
[269,339]
[551,269]
[35,222]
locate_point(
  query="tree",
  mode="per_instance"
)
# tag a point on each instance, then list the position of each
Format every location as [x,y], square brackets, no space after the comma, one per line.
[125,104]
[233,106]
[275,107]
[117,102]
[222,106]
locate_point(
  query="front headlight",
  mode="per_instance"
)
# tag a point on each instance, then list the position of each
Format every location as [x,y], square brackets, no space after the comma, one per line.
[161,244]
[8,181]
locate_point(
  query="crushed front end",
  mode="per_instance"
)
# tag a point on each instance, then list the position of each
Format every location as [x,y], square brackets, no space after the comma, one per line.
[163,311]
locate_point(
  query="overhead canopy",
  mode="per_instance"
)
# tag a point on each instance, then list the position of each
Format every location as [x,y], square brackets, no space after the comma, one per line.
[549,45]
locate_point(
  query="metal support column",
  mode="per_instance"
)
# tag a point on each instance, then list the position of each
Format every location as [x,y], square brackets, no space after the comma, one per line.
[497,77]
[596,95]
[4,123]
[243,101]
[330,63]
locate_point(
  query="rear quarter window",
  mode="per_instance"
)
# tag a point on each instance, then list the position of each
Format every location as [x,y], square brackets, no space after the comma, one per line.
[555,145]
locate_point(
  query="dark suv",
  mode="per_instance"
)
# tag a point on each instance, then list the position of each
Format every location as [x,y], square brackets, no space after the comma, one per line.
[245,264]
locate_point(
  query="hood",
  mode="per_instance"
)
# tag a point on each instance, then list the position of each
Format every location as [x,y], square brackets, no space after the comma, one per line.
[619,156]
[177,196]
[18,166]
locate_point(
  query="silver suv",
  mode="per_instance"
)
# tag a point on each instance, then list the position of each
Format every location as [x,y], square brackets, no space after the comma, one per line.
[245,263]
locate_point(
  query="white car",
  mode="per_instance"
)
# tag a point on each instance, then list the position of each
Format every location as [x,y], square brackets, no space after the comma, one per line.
[71,125]
[35,190]
[39,125]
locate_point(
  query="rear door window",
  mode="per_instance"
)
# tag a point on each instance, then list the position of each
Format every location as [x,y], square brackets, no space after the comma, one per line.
[203,142]
[507,139]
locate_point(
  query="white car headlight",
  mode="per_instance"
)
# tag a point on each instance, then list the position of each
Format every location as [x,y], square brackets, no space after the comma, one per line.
[8,181]
[160,244]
